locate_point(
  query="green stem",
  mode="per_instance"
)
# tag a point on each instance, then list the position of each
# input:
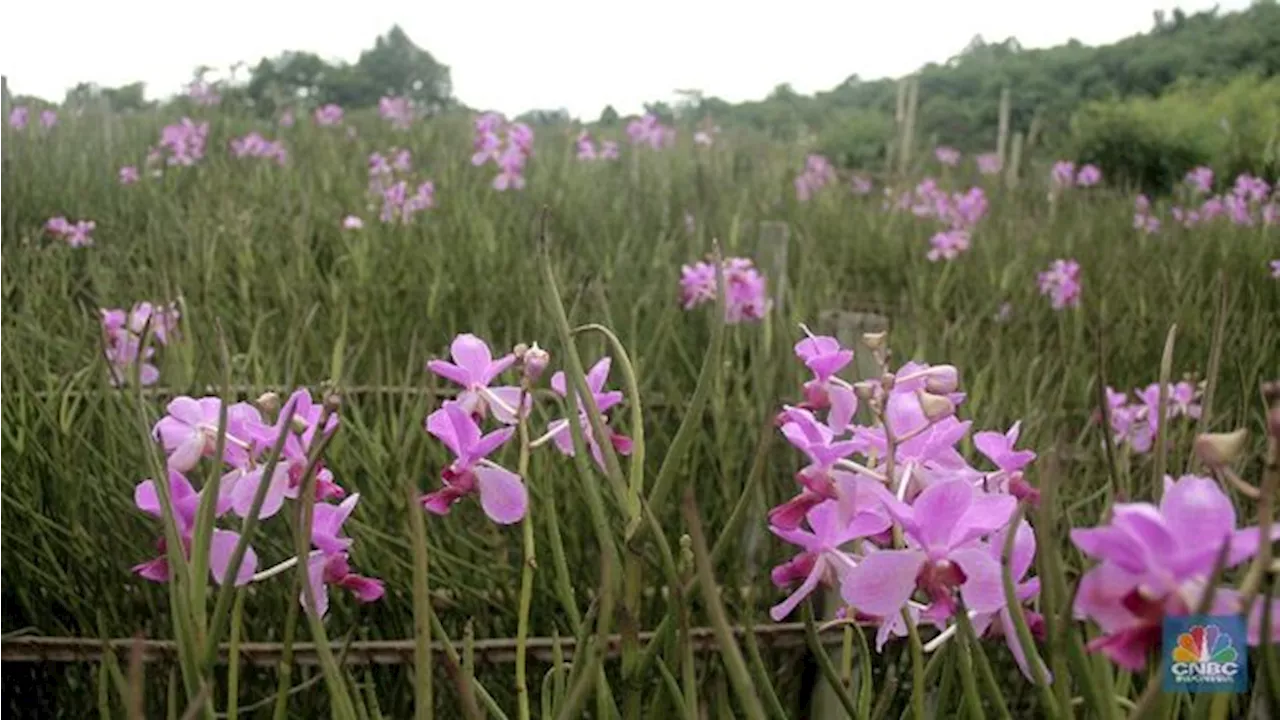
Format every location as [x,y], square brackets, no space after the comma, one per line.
[825,663]
[179,571]
[1049,704]
[285,672]
[223,604]
[343,706]
[917,665]
[466,683]
[207,512]
[984,665]
[1162,424]
[731,655]
[526,572]
[233,657]
[422,626]
[972,698]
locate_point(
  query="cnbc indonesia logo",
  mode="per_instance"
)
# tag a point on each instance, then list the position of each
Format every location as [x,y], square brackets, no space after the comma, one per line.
[1205,655]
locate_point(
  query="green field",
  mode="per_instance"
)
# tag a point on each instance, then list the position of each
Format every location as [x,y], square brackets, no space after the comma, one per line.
[256,255]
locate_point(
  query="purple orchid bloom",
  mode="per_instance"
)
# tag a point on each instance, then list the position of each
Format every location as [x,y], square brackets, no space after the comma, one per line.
[824,357]
[821,558]
[819,478]
[186,503]
[474,368]
[286,478]
[999,450]
[942,529]
[558,430]
[1024,551]
[190,431]
[925,452]
[326,525]
[325,569]
[1156,561]
[502,492]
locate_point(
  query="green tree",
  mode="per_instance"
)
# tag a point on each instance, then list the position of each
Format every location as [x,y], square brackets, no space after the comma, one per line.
[396,66]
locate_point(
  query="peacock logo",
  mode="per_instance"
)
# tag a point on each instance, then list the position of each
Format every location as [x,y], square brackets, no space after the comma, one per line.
[1205,654]
[1205,643]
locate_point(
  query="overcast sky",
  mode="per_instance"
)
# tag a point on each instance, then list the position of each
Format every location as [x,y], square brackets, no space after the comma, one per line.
[577,54]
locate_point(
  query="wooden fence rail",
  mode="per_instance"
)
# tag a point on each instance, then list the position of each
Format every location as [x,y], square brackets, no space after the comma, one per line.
[497,651]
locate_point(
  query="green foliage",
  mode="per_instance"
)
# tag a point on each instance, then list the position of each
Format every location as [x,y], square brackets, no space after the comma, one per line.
[1150,143]
[1133,152]
[257,251]
[393,66]
[960,99]
[859,140]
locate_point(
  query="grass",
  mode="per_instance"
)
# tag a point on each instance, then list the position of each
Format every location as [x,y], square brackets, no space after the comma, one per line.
[258,251]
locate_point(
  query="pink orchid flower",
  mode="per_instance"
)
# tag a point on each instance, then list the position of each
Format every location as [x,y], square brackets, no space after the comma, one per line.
[474,368]
[503,495]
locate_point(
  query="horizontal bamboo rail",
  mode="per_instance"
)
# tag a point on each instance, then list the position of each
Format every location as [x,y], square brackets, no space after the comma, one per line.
[497,651]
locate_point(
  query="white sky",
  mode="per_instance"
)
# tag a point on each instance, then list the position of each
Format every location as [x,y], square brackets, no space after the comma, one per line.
[578,54]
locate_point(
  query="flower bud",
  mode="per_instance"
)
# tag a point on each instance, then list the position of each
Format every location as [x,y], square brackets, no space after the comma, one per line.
[1219,449]
[865,390]
[875,340]
[519,350]
[942,379]
[268,402]
[887,381]
[535,362]
[935,407]
[332,401]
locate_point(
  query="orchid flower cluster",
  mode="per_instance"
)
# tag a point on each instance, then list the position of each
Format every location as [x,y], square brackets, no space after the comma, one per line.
[77,234]
[587,150]
[1143,219]
[818,173]
[287,119]
[189,433]
[1061,282]
[860,184]
[128,175]
[123,339]
[1134,424]
[988,163]
[507,145]
[389,183]
[947,156]
[909,532]
[649,130]
[396,110]
[1158,560]
[20,115]
[328,115]
[1199,180]
[458,423]
[1251,201]
[254,145]
[746,289]
[181,144]
[958,213]
[1065,175]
